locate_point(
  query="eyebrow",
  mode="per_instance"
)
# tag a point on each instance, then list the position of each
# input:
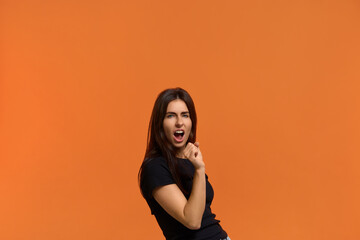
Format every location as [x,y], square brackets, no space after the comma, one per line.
[175,113]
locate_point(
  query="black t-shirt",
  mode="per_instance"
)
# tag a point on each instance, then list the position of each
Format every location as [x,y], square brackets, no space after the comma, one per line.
[156,174]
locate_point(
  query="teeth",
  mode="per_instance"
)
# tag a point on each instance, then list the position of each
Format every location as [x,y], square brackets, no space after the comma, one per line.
[179,131]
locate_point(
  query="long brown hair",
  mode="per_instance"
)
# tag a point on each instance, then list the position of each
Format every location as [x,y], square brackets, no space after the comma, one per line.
[157,143]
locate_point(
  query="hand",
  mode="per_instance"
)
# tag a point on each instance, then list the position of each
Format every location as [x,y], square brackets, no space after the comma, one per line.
[193,153]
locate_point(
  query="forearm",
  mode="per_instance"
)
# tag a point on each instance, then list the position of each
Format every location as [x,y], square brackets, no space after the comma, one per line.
[195,206]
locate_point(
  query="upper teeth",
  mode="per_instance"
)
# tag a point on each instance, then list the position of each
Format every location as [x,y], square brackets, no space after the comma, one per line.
[179,131]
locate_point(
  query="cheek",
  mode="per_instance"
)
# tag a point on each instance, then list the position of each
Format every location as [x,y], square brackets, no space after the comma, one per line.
[189,124]
[166,127]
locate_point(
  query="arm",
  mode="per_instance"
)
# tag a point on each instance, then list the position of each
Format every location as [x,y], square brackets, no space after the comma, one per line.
[189,212]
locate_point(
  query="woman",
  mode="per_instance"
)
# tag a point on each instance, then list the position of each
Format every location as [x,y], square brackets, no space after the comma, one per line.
[172,176]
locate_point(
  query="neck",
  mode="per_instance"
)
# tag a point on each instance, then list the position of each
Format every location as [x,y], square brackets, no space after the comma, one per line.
[180,153]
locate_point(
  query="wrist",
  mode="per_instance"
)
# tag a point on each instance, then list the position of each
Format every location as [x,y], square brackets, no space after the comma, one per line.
[200,170]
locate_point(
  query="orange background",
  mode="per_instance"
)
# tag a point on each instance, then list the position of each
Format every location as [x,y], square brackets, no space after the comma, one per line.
[275,83]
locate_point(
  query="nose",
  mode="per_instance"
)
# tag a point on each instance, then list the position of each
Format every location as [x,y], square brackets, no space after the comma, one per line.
[179,122]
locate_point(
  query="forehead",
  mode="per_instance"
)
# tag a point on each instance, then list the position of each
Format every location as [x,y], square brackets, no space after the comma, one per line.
[177,105]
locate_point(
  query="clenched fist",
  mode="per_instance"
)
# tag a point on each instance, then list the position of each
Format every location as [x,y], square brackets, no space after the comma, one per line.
[193,153]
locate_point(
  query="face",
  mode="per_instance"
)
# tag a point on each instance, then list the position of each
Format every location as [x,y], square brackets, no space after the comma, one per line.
[177,124]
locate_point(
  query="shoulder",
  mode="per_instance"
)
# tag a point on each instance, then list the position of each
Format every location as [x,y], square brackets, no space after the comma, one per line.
[156,167]
[155,162]
[155,173]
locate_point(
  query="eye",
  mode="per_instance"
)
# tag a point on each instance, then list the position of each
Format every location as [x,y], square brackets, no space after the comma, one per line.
[185,115]
[170,115]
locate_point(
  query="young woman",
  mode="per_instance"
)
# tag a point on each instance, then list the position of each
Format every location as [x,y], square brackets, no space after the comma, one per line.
[172,176]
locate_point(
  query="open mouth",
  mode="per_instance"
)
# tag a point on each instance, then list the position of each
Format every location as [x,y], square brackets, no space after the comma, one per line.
[179,135]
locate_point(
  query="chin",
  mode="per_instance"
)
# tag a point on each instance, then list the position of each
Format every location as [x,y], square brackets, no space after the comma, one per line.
[178,146]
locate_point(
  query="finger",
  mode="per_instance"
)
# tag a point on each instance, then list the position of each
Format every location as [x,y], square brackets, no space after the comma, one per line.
[189,144]
[194,151]
[187,152]
[197,144]
[191,149]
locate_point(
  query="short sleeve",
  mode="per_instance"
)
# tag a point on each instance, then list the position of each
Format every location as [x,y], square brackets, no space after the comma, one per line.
[156,174]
